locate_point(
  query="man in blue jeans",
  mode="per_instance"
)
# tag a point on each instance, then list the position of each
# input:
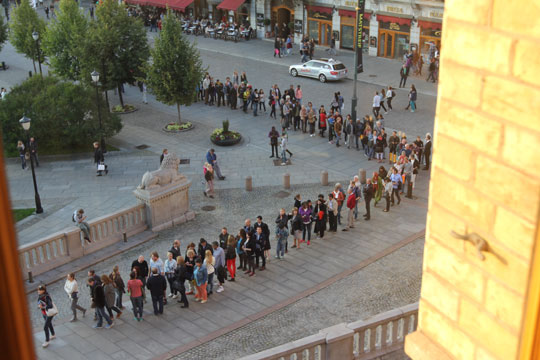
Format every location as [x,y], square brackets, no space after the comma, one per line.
[157,285]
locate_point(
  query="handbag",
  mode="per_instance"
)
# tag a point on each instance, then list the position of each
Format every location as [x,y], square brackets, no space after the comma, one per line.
[101,167]
[52,311]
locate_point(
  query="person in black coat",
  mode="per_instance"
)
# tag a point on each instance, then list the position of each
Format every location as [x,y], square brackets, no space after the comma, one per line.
[223,238]
[98,296]
[175,249]
[249,249]
[233,94]
[157,286]
[164,153]
[320,215]
[368,195]
[427,150]
[260,245]
[298,201]
[203,246]
[180,277]
[99,159]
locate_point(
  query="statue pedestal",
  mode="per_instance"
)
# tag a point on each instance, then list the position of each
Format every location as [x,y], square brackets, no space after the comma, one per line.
[166,205]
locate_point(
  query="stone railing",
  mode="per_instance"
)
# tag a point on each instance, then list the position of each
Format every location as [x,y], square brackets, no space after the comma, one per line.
[65,246]
[362,340]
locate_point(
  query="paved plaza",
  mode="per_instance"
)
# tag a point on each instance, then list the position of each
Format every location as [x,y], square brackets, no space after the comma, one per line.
[382,280]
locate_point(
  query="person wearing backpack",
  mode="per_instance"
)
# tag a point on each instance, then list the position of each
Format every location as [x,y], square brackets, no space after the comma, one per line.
[79,218]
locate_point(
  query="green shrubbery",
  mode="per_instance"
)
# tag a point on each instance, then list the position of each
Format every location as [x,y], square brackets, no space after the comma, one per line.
[64,115]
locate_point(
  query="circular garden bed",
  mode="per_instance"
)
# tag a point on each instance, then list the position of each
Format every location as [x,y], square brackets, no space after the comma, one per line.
[118,109]
[176,128]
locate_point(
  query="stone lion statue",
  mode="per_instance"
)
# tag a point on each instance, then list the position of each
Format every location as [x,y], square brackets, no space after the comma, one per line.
[166,174]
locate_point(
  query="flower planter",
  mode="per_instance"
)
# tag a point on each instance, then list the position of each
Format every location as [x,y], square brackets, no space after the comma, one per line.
[184,129]
[127,109]
[228,141]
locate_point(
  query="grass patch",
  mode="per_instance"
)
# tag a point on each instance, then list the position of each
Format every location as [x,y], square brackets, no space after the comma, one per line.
[19,214]
[63,151]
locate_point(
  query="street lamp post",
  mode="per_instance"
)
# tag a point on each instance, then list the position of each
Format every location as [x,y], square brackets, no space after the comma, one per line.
[25,123]
[95,80]
[35,36]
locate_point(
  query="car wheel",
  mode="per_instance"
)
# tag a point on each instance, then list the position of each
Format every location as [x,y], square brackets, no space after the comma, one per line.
[322,78]
[294,72]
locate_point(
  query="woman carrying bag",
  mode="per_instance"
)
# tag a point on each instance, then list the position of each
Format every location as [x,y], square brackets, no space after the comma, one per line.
[48,310]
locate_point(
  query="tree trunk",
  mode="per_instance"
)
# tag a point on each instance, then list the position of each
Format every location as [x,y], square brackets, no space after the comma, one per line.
[107,101]
[179,118]
[120,95]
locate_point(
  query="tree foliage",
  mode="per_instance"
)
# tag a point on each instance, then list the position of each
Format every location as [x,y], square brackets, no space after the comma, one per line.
[3,32]
[24,21]
[66,39]
[176,66]
[117,46]
[64,114]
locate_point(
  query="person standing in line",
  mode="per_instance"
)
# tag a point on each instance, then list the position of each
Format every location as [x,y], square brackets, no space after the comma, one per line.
[340,197]
[338,126]
[142,272]
[249,249]
[427,150]
[281,233]
[32,147]
[390,94]
[200,275]
[266,233]
[403,73]
[387,192]
[393,147]
[274,135]
[306,213]
[356,185]
[240,241]
[230,257]
[349,132]
[209,263]
[296,227]
[175,249]
[48,310]
[397,182]
[320,214]
[209,177]
[110,296]
[72,289]
[118,285]
[157,285]
[368,196]
[180,277]
[211,158]
[260,245]
[351,202]
[190,266]
[170,267]
[219,265]
[332,213]
[99,159]
[100,303]
[135,290]
[378,188]
[298,95]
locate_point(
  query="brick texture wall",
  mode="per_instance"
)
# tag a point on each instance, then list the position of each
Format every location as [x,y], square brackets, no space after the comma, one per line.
[485,179]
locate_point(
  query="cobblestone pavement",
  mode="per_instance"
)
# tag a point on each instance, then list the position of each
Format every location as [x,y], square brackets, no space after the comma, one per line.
[386,284]
[302,270]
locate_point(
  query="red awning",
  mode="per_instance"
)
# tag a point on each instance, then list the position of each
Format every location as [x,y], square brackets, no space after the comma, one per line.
[397,20]
[230,4]
[429,25]
[135,2]
[351,13]
[320,9]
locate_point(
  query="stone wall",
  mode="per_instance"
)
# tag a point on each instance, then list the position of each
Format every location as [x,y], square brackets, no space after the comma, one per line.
[484,181]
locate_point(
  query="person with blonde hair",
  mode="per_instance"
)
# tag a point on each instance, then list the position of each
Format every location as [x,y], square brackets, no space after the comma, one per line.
[170,267]
[209,177]
[209,263]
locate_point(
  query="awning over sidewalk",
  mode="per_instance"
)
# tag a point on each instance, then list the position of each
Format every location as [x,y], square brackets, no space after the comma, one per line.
[135,2]
[230,4]
[390,17]
[321,9]
[179,5]
[352,13]
[429,23]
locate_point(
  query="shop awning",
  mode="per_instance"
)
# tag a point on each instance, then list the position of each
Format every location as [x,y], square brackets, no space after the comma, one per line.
[352,13]
[135,2]
[390,17]
[179,5]
[230,4]
[320,9]
[429,23]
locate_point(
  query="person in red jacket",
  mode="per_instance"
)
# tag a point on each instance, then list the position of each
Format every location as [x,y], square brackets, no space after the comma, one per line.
[351,202]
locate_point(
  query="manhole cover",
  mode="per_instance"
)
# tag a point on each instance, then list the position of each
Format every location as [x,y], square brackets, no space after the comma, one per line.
[372,75]
[282,194]
[184,161]
[278,162]
[208,208]
[142,147]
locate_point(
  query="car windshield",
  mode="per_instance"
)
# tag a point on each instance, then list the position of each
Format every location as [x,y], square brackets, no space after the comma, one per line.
[339,66]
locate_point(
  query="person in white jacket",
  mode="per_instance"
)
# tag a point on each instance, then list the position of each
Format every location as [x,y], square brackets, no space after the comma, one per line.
[72,289]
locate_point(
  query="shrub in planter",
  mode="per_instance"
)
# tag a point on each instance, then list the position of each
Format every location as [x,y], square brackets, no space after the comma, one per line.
[224,136]
[179,127]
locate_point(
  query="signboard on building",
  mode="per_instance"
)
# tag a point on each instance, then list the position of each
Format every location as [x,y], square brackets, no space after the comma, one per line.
[260,19]
[359,29]
[298,28]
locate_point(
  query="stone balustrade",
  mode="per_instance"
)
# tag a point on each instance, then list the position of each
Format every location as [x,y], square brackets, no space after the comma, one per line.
[67,245]
[361,340]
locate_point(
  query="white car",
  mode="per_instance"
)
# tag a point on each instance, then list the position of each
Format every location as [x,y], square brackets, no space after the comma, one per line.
[322,69]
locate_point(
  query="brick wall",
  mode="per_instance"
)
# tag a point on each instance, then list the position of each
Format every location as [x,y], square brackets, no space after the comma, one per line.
[485,179]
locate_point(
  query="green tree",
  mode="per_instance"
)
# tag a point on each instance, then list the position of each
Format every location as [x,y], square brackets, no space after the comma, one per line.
[117,46]
[176,66]
[24,21]
[64,115]
[3,32]
[65,40]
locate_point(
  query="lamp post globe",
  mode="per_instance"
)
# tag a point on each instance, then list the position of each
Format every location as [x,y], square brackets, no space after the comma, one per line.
[35,35]
[95,76]
[25,123]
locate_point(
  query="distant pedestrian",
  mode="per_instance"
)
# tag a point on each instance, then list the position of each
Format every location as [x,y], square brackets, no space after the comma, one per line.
[22,153]
[427,150]
[164,153]
[403,74]
[351,203]
[332,213]
[180,277]
[220,265]
[99,303]
[99,160]
[72,289]
[368,196]
[32,147]
[92,12]
[397,183]
[376,104]
[119,286]
[387,192]
[230,257]
[390,94]
[47,12]
[412,99]
[135,290]
[157,285]
[48,310]
[110,296]
[170,268]
[190,267]
[274,135]
[209,177]
[211,158]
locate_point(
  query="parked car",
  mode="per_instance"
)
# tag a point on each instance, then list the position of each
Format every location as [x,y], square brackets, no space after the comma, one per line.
[322,69]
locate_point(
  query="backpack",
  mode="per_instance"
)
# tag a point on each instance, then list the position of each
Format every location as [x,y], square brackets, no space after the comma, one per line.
[393,94]
[74,216]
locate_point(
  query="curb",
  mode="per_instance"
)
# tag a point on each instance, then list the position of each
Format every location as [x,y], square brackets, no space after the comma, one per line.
[305,293]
